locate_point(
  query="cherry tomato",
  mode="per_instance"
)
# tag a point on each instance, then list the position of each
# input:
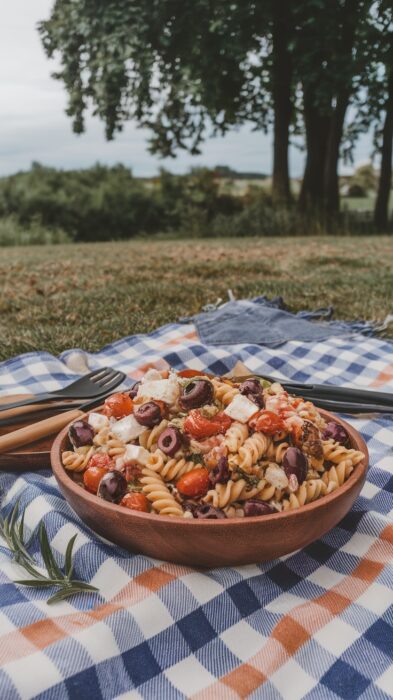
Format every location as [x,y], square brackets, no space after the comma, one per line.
[101,460]
[186,373]
[195,483]
[118,405]
[92,477]
[267,422]
[200,427]
[135,501]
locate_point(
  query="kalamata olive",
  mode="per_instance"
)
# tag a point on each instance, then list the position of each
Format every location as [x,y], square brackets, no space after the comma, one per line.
[134,390]
[196,393]
[112,486]
[220,473]
[253,507]
[148,414]
[170,441]
[81,433]
[207,512]
[335,431]
[295,462]
[253,390]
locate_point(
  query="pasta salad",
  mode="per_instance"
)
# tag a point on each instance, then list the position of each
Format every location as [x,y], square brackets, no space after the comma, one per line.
[189,445]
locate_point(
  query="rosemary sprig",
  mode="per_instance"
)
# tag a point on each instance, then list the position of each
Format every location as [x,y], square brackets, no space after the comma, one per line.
[13,532]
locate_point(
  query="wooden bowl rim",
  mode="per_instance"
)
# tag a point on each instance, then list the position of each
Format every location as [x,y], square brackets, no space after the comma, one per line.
[357,441]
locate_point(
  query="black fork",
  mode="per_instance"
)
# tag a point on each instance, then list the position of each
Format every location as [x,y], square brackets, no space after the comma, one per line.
[100,381]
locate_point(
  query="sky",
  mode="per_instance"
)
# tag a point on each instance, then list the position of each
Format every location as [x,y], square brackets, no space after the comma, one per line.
[34,126]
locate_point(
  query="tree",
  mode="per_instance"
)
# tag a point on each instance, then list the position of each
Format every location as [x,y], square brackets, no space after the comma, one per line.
[380,94]
[182,68]
[329,59]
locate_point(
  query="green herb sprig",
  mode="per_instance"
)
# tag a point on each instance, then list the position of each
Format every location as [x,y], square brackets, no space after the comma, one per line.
[13,532]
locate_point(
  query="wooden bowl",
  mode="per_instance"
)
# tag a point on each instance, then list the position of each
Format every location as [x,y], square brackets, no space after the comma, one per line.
[213,543]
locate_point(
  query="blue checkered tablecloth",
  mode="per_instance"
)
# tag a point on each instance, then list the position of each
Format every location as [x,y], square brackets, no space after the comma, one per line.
[315,624]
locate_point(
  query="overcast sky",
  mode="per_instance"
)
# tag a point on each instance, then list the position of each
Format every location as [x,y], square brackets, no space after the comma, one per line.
[33,124]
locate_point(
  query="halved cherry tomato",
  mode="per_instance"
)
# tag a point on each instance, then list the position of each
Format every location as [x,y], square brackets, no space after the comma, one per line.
[135,501]
[92,477]
[200,427]
[267,422]
[118,405]
[193,373]
[195,483]
[101,460]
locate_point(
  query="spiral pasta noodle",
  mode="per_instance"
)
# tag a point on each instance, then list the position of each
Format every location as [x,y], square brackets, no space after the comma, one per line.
[149,438]
[337,474]
[159,495]
[252,450]
[77,461]
[224,494]
[172,468]
[235,436]
[224,392]
[334,452]
[234,510]
[275,452]
[308,491]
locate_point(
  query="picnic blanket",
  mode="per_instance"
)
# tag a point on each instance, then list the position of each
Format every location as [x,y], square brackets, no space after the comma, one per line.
[315,624]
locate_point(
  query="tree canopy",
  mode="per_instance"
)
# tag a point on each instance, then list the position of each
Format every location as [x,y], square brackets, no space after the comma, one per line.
[188,68]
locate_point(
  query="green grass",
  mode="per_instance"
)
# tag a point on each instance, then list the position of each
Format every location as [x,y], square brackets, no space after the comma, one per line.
[52,298]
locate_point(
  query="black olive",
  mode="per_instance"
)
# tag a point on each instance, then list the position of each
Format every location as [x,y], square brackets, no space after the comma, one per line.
[197,393]
[170,441]
[149,414]
[81,433]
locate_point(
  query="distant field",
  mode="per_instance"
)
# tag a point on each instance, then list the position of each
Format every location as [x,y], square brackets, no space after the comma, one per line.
[58,297]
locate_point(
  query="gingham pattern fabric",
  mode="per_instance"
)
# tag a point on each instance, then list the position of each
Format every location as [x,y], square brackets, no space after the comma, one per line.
[316,624]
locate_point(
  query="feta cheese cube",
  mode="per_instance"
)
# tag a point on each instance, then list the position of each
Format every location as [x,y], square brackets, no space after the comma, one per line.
[151,374]
[97,421]
[166,390]
[241,408]
[133,453]
[127,429]
[276,476]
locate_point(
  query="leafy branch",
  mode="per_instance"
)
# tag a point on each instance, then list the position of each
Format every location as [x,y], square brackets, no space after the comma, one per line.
[13,532]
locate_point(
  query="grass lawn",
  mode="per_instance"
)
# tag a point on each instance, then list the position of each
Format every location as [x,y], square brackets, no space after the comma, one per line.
[52,298]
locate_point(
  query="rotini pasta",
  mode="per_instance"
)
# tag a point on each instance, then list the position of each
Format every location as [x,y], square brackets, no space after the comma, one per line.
[224,392]
[236,436]
[171,468]
[252,450]
[276,451]
[159,495]
[200,447]
[77,461]
[307,492]
[334,452]
[149,438]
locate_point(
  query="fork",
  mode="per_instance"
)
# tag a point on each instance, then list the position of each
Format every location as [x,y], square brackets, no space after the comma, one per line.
[98,382]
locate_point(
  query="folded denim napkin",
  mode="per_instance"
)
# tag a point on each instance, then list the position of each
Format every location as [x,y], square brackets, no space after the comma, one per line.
[262,321]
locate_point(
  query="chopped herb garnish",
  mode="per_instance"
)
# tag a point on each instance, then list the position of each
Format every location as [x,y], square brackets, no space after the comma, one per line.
[195,457]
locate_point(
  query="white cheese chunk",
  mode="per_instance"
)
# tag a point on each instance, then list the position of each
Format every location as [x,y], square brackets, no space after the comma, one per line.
[133,453]
[151,374]
[166,390]
[276,476]
[241,408]
[98,421]
[127,429]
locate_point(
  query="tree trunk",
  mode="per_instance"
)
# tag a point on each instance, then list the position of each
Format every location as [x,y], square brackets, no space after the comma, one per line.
[381,211]
[316,126]
[282,81]
[331,196]
[331,189]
